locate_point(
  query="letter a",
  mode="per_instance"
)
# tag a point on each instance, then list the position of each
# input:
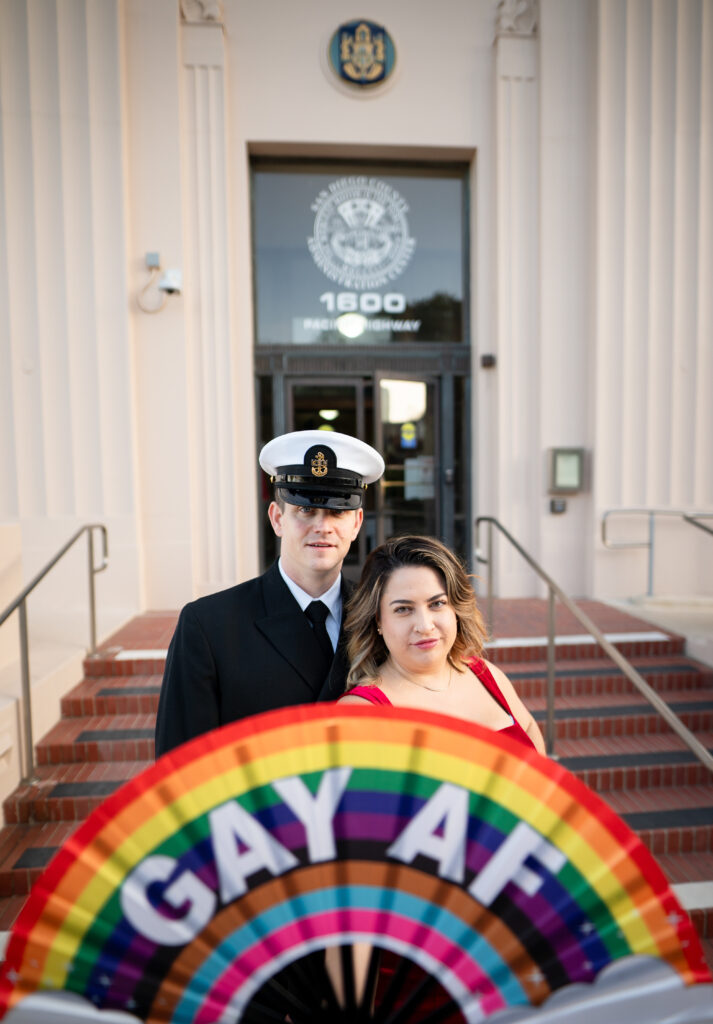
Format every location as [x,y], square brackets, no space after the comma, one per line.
[449,805]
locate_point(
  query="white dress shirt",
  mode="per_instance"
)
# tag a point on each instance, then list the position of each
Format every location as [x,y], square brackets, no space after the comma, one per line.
[332,598]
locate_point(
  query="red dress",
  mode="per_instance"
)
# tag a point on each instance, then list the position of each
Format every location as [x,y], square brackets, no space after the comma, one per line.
[478,667]
[434,1001]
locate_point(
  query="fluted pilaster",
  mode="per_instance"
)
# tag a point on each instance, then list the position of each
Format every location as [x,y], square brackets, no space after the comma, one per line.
[517,163]
[208,307]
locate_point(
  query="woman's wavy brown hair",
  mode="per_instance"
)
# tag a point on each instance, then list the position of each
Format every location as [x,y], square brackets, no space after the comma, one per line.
[365,647]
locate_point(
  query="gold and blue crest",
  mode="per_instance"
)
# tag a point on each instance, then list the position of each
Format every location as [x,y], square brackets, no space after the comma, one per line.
[362,53]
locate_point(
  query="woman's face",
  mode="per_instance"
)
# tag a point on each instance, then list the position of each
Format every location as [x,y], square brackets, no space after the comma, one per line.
[418,624]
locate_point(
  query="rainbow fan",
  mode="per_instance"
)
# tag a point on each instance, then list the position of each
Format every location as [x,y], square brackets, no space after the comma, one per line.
[206,889]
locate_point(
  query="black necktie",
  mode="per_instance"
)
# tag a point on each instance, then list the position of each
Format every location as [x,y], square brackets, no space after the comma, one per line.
[317,613]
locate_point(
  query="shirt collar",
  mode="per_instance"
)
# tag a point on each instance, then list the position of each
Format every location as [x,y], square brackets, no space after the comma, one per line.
[332,597]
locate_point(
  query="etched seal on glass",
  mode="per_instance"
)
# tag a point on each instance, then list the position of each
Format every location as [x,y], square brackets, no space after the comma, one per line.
[361,235]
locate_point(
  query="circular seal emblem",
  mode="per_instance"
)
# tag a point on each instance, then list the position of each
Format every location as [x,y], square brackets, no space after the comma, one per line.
[361,236]
[362,53]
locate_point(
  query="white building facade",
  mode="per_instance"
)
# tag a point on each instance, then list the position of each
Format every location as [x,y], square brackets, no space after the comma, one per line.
[580,133]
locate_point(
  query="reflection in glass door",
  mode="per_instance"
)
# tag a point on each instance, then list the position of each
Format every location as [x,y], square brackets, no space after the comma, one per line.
[407,432]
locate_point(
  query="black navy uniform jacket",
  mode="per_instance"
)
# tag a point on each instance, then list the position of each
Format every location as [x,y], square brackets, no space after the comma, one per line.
[238,652]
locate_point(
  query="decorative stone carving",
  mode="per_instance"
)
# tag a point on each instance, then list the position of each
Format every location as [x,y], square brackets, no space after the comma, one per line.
[202,10]
[516,18]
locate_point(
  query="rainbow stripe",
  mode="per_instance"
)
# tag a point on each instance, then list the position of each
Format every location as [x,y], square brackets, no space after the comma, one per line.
[606,898]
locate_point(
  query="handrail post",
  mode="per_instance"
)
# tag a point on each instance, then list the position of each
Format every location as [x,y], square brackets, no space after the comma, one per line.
[26,697]
[92,599]
[550,738]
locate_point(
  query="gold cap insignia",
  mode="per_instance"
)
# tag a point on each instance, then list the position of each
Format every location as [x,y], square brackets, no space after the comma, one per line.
[319,465]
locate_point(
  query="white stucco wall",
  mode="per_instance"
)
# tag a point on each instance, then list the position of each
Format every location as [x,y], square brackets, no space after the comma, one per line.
[65,365]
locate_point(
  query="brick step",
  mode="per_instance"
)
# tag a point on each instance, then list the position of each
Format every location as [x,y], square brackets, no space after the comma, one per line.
[597,676]
[669,821]
[674,801]
[125,736]
[99,738]
[10,907]
[26,850]
[68,792]
[635,762]
[681,868]
[580,648]
[109,695]
[134,693]
[118,661]
[623,714]
[112,695]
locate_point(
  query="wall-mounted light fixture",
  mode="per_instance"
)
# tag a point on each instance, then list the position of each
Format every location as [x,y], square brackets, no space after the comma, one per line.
[170,283]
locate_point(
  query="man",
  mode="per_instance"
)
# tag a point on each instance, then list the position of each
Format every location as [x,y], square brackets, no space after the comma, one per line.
[265,643]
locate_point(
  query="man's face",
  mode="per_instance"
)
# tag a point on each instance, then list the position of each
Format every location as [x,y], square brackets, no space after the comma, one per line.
[315,541]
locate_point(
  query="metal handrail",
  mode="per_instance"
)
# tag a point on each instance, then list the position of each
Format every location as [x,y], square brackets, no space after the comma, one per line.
[616,656]
[20,605]
[687,515]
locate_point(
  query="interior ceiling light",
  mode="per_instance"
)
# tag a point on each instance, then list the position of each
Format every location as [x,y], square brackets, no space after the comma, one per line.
[329,414]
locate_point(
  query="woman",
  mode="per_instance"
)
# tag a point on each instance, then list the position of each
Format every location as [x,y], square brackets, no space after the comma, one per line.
[416,637]
[415,640]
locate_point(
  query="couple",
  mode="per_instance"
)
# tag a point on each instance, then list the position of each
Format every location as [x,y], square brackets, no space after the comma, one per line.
[415,633]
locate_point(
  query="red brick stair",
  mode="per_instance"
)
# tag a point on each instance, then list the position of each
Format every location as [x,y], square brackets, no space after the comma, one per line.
[99,738]
[606,734]
[68,792]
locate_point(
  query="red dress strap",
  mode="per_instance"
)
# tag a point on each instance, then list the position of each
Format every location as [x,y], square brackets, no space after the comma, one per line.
[369,692]
[481,670]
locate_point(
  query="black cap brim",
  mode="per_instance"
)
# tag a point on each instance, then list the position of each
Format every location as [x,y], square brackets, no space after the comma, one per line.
[320,499]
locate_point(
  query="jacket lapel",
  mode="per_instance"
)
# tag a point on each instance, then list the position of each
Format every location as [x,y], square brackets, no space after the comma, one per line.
[286,627]
[336,679]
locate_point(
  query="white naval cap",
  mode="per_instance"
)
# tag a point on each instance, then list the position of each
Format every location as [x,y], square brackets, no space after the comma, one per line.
[321,468]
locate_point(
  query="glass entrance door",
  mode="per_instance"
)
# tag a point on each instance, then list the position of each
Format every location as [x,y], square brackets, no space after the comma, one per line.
[416,422]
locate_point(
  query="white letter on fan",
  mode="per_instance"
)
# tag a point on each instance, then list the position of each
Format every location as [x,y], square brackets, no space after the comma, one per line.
[316,812]
[230,823]
[508,864]
[187,888]
[449,804]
